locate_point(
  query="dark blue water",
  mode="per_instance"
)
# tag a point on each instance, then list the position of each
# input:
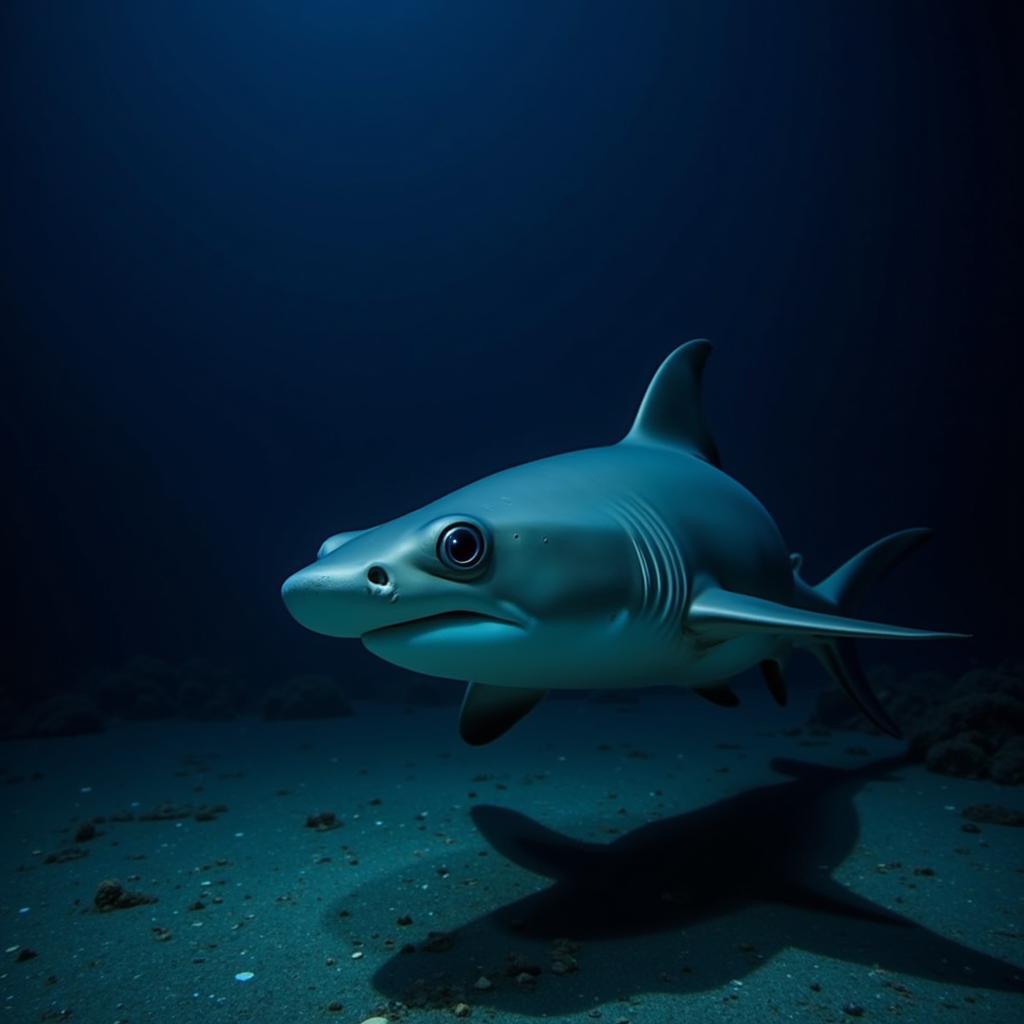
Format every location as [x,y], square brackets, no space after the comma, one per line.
[271,271]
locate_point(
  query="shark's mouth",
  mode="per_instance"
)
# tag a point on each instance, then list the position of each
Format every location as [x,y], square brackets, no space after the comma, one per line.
[457,626]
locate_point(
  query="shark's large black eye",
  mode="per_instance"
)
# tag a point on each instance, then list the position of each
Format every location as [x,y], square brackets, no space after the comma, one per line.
[461,546]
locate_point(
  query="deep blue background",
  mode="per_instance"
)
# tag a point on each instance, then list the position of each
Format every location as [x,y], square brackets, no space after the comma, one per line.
[273,270]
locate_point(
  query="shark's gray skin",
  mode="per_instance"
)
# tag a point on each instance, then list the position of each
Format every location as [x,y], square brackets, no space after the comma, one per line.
[640,563]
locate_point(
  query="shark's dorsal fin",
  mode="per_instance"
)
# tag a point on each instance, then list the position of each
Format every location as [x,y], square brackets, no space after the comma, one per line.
[490,711]
[671,412]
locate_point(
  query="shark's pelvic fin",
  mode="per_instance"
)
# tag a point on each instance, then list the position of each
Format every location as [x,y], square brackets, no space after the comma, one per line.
[771,670]
[672,412]
[720,695]
[840,659]
[843,591]
[490,711]
[718,612]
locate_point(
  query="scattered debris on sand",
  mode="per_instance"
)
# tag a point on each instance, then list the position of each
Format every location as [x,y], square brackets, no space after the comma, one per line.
[178,812]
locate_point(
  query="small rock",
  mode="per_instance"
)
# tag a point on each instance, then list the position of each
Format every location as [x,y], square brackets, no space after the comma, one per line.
[483,984]
[438,942]
[461,1010]
[926,872]
[25,954]
[64,856]
[86,831]
[517,964]
[1007,767]
[404,921]
[853,1010]
[526,980]
[244,976]
[111,895]
[335,1007]
[325,821]
[993,814]
[376,1020]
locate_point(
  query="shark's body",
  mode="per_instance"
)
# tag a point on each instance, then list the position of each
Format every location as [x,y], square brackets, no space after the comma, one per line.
[637,564]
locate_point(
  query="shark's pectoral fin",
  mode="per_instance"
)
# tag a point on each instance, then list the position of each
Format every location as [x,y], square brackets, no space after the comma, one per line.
[490,711]
[720,695]
[717,612]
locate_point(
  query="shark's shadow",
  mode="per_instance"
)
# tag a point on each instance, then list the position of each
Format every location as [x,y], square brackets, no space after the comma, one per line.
[689,903]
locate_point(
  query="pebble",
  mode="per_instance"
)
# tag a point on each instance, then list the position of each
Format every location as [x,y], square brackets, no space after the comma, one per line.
[483,983]
[375,1020]
[244,976]
[853,1010]
[357,955]
[461,1010]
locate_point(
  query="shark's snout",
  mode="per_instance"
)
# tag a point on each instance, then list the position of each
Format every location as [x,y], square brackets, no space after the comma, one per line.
[336,600]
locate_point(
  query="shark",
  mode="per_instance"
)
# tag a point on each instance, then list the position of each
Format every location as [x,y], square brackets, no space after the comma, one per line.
[640,563]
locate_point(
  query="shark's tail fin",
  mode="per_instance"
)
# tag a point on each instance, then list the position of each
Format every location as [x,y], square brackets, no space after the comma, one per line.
[842,592]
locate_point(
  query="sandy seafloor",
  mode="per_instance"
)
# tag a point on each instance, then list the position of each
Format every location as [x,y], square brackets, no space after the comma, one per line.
[295,906]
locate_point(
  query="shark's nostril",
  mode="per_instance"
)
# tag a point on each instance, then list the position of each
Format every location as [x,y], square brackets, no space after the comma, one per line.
[377,576]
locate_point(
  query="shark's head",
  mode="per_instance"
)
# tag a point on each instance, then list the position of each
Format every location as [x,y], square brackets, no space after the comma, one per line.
[479,585]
